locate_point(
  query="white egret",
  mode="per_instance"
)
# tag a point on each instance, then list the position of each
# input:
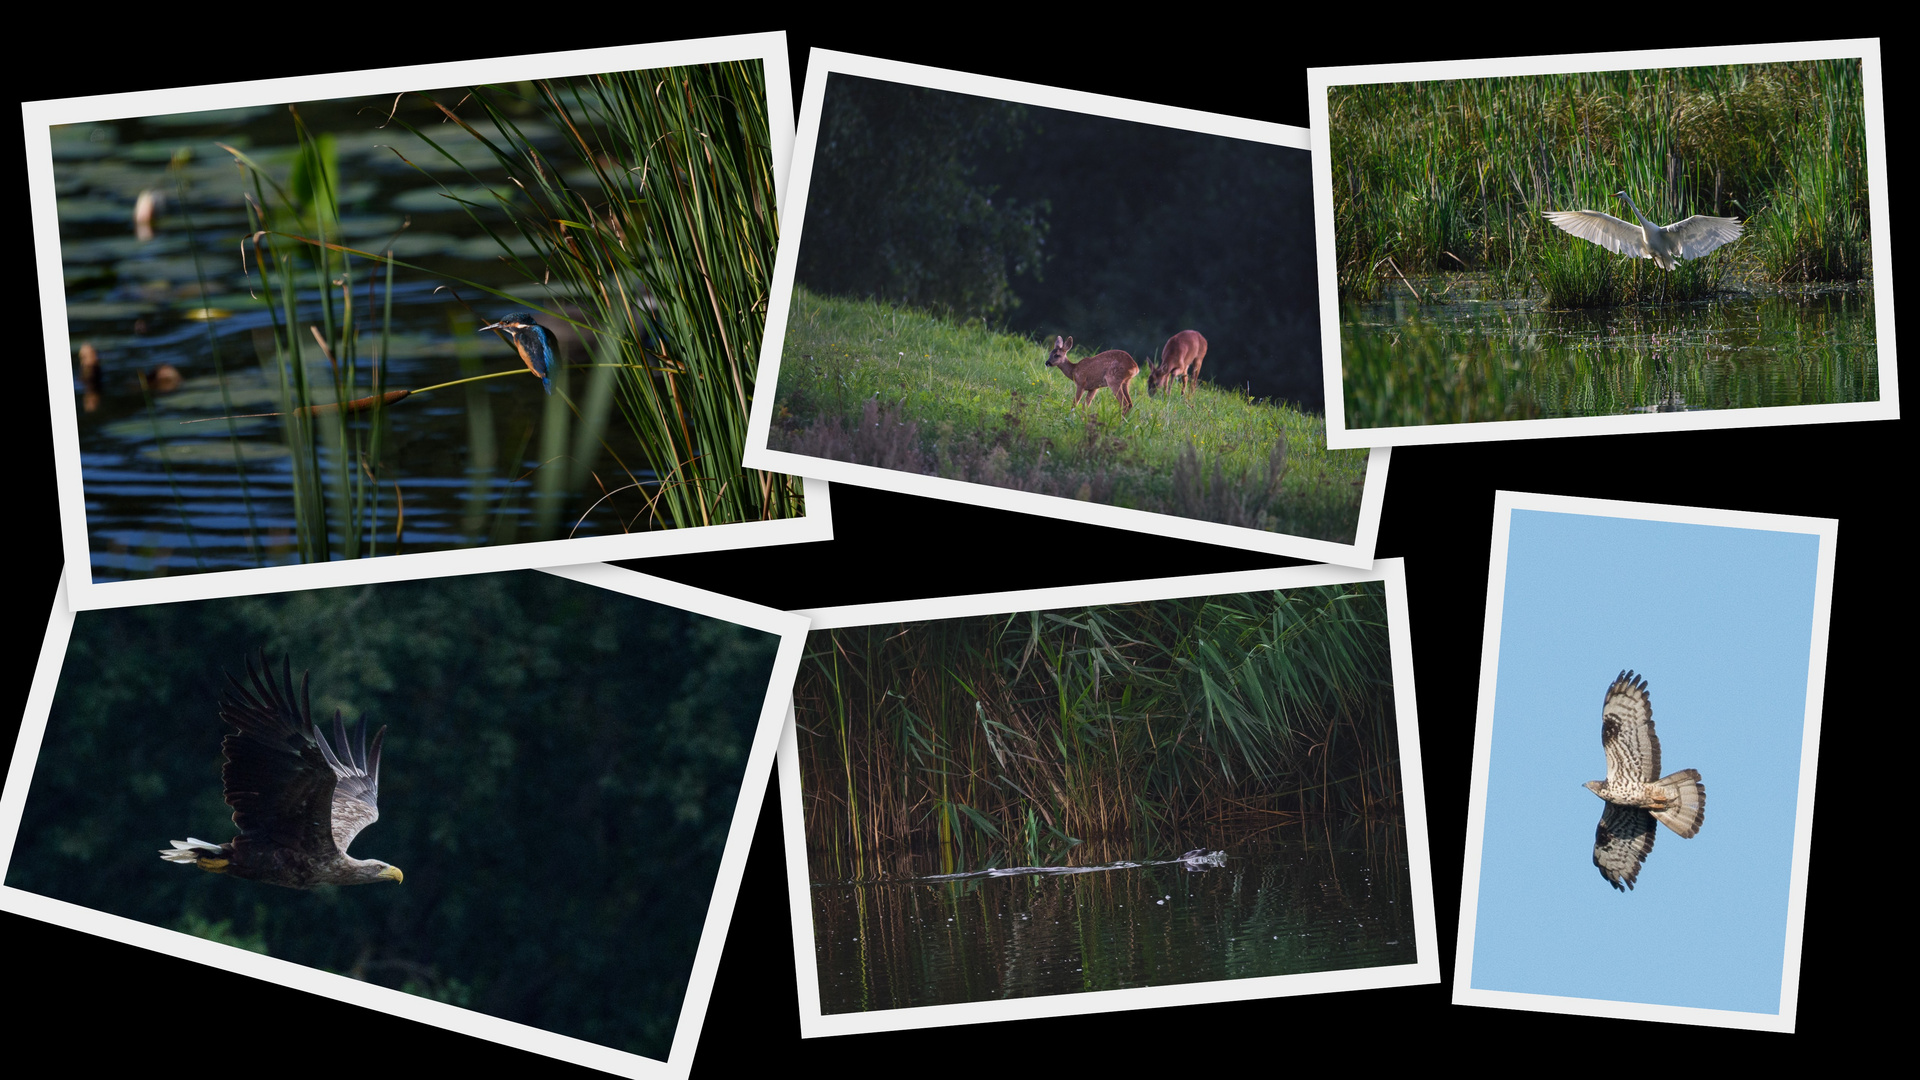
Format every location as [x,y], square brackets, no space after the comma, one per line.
[1689,238]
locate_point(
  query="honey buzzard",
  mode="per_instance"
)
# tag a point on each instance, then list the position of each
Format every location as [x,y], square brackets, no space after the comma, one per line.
[297,804]
[1636,794]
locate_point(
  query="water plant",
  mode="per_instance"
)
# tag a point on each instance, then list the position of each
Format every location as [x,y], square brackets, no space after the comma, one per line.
[1027,732]
[656,236]
[1454,175]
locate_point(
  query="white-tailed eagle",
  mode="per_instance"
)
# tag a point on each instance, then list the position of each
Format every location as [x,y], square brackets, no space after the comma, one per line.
[297,804]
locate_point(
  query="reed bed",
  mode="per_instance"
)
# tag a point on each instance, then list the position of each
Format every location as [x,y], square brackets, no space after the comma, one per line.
[1432,178]
[652,235]
[657,233]
[310,283]
[1017,736]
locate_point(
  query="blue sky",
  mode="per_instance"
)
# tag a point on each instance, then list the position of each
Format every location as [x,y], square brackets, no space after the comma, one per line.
[1720,623]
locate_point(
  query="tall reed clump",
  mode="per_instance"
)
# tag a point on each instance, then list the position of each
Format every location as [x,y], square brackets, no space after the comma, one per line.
[1446,176]
[1013,736]
[658,231]
[1816,228]
[294,241]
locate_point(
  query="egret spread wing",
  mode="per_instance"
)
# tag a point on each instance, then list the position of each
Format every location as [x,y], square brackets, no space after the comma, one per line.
[1699,234]
[1603,229]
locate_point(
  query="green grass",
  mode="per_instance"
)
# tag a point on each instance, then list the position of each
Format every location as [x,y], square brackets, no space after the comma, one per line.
[885,386]
[1449,176]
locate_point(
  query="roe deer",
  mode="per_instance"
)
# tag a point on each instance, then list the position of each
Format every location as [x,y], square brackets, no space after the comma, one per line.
[1112,369]
[1179,359]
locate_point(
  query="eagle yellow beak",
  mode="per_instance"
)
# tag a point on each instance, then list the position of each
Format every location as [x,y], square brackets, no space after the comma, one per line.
[392,873]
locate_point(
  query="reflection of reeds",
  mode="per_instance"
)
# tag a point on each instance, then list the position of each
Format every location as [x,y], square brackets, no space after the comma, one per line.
[660,228]
[1446,176]
[1511,365]
[1021,733]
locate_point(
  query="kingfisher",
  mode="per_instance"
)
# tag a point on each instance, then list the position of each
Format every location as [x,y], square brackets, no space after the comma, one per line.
[538,348]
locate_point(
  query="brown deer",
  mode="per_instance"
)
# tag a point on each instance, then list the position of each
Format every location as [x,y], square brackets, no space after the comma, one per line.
[1179,359]
[1112,369]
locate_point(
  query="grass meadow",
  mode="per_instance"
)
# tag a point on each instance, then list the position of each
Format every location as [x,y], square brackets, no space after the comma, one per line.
[893,388]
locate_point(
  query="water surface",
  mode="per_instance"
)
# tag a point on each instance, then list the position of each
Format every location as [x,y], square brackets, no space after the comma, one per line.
[1277,908]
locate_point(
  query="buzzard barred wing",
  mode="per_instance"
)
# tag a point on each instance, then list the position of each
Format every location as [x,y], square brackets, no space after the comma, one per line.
[1622,842]
[1626,732]
[276,778]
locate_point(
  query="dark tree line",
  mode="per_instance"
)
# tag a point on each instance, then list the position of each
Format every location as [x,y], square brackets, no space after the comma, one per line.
[1049,222]
[560,772]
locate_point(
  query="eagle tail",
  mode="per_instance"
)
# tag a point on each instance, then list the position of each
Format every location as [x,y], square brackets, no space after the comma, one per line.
[212,857]
[1683,800]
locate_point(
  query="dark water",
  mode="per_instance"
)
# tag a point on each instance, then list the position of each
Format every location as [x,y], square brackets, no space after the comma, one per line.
[1272,909]
[490,462]
[1507,360]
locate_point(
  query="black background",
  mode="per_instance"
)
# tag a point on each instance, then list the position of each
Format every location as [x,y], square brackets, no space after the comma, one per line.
[102,1004]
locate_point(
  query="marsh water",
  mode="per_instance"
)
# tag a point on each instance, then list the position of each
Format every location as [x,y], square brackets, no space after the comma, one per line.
[1480,360]
[1272,908]
[180,328]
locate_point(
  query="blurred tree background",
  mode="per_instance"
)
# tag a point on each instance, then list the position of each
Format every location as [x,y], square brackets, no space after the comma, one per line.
[1048,222]
[561,768]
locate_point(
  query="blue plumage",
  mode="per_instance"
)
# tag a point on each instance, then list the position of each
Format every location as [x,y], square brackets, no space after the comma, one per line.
[537,346]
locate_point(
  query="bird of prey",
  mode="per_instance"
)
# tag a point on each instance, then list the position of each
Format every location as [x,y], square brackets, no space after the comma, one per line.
[1636,794]
[1688,238]
[296,802]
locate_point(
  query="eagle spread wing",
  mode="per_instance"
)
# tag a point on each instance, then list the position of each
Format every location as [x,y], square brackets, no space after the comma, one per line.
[297,803]
[1636,794]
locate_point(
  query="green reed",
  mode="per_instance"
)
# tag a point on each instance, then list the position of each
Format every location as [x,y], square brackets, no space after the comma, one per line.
[1020,735]
[1447,176]
[294,244]
[656,229]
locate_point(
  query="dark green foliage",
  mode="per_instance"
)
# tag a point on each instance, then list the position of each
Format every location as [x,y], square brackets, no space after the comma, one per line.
[561,768]
[1450,176]
[656,221]
[1015,735]
[895,212]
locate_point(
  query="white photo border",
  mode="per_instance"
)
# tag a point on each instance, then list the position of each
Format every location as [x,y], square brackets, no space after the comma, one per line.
[823,62]
[1504,504]
[40,116]
[1425,969]
[792,631]
[1340,436]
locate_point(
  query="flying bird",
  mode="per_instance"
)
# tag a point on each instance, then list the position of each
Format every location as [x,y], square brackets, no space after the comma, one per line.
[1688,238]
[1636,794]
[297,803]
[537,346]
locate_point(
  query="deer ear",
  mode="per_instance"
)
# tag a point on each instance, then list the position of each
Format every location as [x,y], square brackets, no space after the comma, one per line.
[1069,343]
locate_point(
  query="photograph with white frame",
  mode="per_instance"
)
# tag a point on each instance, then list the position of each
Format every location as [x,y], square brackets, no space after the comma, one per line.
[568,769]
[1694,643]
[197,373]
[1585,244]
[1044,809]
[1188,404]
